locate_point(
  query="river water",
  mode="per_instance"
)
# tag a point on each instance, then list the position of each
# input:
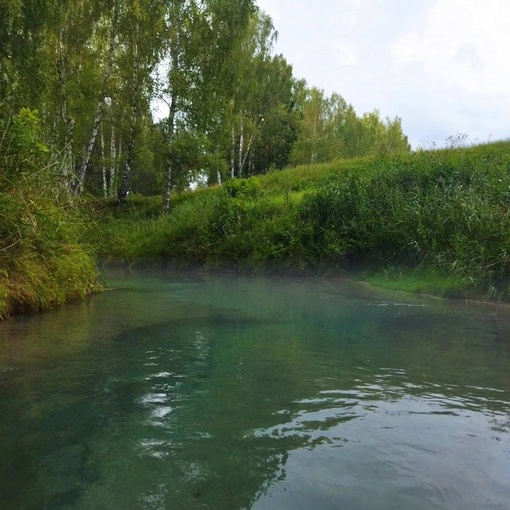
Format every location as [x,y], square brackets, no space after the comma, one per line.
[193,391]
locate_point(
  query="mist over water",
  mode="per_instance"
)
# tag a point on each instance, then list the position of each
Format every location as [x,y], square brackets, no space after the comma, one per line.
[186,390]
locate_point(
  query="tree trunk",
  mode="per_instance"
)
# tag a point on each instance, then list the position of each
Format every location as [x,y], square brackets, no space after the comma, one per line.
[103,167]
[67,163]
[240,155]
[168,183]
[126,176]
[246,154]
[233,154]
[78,188]
[113,163]
[68,170]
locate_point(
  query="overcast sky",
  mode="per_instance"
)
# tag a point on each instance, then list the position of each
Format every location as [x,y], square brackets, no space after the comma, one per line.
[443,66]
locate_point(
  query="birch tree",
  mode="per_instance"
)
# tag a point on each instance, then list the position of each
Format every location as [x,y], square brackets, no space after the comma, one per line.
[202,36]
[142,32]
[108,61]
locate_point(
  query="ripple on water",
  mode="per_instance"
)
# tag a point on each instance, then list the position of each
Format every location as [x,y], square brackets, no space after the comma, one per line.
[157,448]
[311,405]
[153,398]
[161,412]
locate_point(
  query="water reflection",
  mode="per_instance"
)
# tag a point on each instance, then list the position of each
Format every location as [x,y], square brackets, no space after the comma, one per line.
[255,393]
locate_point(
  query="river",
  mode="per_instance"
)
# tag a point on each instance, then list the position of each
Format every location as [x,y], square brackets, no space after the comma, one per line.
[198,391]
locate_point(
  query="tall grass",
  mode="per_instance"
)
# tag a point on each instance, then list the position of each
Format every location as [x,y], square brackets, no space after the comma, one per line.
[447,210]
[42,259]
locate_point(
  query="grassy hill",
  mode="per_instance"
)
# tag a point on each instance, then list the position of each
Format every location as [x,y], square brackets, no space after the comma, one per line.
[434,221]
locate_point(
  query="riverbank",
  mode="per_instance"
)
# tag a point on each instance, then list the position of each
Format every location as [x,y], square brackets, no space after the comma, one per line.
[436,222]
[44,258]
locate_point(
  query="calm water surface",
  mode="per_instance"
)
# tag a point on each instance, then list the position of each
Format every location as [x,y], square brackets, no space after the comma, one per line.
[184,391]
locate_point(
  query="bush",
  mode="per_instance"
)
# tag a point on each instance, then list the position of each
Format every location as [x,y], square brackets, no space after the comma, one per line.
[446,210]
[242,188]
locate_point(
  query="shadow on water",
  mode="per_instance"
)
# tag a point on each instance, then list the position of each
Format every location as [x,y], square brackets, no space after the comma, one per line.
[224,392]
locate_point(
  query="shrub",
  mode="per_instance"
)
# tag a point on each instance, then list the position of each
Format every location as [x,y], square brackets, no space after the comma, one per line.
[446,210]
[242,188]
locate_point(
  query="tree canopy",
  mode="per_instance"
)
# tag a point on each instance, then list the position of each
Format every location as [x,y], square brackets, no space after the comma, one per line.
[150,96]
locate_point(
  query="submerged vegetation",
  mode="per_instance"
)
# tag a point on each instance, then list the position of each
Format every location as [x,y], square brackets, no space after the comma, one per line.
[437,221]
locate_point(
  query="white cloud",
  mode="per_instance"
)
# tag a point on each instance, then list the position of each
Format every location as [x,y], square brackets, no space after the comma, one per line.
[441,65]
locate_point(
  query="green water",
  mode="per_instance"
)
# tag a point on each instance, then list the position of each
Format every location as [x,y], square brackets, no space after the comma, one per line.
[188,391]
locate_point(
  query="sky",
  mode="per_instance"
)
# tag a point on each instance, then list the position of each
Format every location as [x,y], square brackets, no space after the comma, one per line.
[442,66]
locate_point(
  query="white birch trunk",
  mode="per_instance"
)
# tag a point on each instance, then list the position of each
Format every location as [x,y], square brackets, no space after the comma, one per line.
[240,155]
[97,119]
[90,147]
[113,163]
[241,165]
[233,153]
[103,167]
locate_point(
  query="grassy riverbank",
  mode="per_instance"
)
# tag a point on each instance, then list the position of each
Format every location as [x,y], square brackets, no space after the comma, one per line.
[44,261]
[438,218]
[436,222]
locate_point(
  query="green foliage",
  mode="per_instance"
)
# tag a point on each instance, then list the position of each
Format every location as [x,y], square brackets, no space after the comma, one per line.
[423,281]
[446,210]
[308,177]
[242,188]
[441,213]
[42,261]
[331,130]
[95,69]
[21,149]
[208,227]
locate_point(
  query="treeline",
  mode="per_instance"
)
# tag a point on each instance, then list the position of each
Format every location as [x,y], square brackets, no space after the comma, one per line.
[150,96]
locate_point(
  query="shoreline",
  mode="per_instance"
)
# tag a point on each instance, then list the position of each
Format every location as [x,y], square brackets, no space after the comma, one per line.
[410,284]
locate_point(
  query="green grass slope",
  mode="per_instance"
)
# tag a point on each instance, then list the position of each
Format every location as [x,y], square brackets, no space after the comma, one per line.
[432,216]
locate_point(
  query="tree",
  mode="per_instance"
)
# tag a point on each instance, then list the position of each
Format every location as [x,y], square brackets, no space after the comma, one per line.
[141,32]
[318,140]
[330,129]
[278,129]
[202,37]
[93,69]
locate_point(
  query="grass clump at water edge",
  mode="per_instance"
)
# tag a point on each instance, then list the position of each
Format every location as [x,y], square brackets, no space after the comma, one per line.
[43,259]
